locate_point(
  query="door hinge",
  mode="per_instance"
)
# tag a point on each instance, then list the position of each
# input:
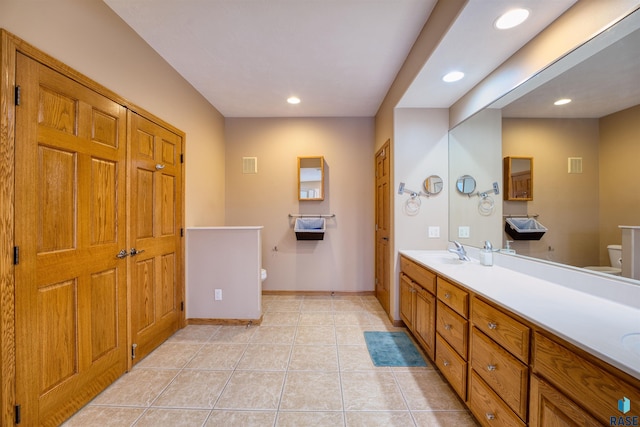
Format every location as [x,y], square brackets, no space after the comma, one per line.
[18,414]
[182,232]
[181,305]
[181,158]
[133,350]
[17,95]
[16,255]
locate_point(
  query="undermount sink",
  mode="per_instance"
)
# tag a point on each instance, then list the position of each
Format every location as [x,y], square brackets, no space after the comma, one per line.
[631,342]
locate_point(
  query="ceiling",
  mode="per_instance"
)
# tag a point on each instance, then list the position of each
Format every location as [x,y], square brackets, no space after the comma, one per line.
[603,83]
[246,57]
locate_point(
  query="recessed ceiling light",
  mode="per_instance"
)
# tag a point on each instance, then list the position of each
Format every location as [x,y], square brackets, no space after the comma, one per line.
[293,100]
[562,101]
[453,76]
[511,19]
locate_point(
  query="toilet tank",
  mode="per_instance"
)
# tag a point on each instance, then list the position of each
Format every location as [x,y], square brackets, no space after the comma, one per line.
[615,255]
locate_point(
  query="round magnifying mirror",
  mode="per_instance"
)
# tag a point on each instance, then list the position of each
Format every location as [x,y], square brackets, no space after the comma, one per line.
[466,184]
[433,184]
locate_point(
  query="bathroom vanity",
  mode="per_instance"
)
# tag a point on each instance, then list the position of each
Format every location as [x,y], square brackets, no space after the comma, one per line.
[526,349]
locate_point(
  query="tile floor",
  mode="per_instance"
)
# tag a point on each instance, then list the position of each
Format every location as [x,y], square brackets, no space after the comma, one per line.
[306,365]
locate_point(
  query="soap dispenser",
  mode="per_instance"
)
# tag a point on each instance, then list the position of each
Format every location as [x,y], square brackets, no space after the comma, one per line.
[486,254]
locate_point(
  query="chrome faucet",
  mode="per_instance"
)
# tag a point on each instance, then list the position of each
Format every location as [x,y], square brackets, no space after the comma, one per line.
[460,251]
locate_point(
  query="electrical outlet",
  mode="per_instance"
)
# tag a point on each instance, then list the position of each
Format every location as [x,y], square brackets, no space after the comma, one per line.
[218,294]
[434,232]
[464,232]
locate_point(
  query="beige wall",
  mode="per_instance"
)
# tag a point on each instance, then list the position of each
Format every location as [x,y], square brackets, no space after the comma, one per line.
[87,36]
[343,261]
[568,204]
[421,146]
[619,175]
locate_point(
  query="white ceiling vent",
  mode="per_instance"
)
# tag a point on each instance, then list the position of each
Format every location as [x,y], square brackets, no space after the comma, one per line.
[249,165]
[575,164]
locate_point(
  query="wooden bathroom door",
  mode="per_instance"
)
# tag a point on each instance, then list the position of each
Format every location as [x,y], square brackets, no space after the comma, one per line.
[70,288]
[155,218]
[383,225]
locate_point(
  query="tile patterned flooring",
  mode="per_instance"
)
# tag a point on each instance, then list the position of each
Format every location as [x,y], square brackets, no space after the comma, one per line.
[306,365]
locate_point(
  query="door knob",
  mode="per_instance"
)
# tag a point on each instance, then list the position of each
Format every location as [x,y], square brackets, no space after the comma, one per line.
[122,254]
[135,252]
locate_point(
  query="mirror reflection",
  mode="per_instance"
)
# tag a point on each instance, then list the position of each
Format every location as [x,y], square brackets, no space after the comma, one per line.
[466,184]
[587,182]
[311,178]
[518,178]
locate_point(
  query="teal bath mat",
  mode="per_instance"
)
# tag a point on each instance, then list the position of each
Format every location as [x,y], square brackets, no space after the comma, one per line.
[392,349]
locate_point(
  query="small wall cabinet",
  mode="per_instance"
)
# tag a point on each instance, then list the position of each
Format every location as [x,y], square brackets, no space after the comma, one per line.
[311,178]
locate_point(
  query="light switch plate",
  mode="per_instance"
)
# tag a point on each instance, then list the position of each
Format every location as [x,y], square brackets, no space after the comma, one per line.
[434,232]
[463,232]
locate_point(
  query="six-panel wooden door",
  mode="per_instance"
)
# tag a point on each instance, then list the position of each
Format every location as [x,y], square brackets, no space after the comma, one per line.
[156,215]
[383,225]
[71,336]
[99,258]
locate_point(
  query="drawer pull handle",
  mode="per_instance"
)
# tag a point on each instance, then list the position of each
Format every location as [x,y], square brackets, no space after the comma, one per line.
[493,325]
[445,363]
[447,327]
[447,295]
[491,368]
[490,416]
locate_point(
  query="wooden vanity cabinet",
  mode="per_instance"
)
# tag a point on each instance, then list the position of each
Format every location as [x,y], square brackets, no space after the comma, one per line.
[508,370]
[498,360]
[418,303]
[452,334]
[565,381]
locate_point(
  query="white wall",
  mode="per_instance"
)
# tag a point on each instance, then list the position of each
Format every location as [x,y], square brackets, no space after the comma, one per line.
[421,150]
[344,260]
[89,37]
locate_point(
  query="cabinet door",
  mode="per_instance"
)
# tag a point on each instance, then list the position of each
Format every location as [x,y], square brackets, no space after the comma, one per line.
[424,322]
[549,407]
[406,300]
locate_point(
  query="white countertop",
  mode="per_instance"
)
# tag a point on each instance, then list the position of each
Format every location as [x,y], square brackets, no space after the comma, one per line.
[596,324]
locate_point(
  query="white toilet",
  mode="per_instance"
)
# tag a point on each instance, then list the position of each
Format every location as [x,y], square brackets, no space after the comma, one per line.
[615,259]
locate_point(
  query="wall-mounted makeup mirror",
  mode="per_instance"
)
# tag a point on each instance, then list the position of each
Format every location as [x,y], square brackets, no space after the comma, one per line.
[466,184]
[433,185]
[518,178]
[311,178]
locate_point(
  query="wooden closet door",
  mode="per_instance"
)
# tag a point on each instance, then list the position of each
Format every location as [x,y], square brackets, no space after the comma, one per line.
[155,218]
[71,338]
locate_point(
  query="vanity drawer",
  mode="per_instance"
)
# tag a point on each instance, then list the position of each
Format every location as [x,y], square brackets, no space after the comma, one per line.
[503,329]
[505,374]
[454,297]
[419,274]
[452,366]
[453,328]
[487,407]
[588,385]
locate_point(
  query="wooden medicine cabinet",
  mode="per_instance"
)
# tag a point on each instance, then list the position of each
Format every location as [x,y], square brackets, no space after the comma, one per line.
[311,178]
[518,178]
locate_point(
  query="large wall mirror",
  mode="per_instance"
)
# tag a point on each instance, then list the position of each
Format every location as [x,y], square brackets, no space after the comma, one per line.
[587,180]
[311,178]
